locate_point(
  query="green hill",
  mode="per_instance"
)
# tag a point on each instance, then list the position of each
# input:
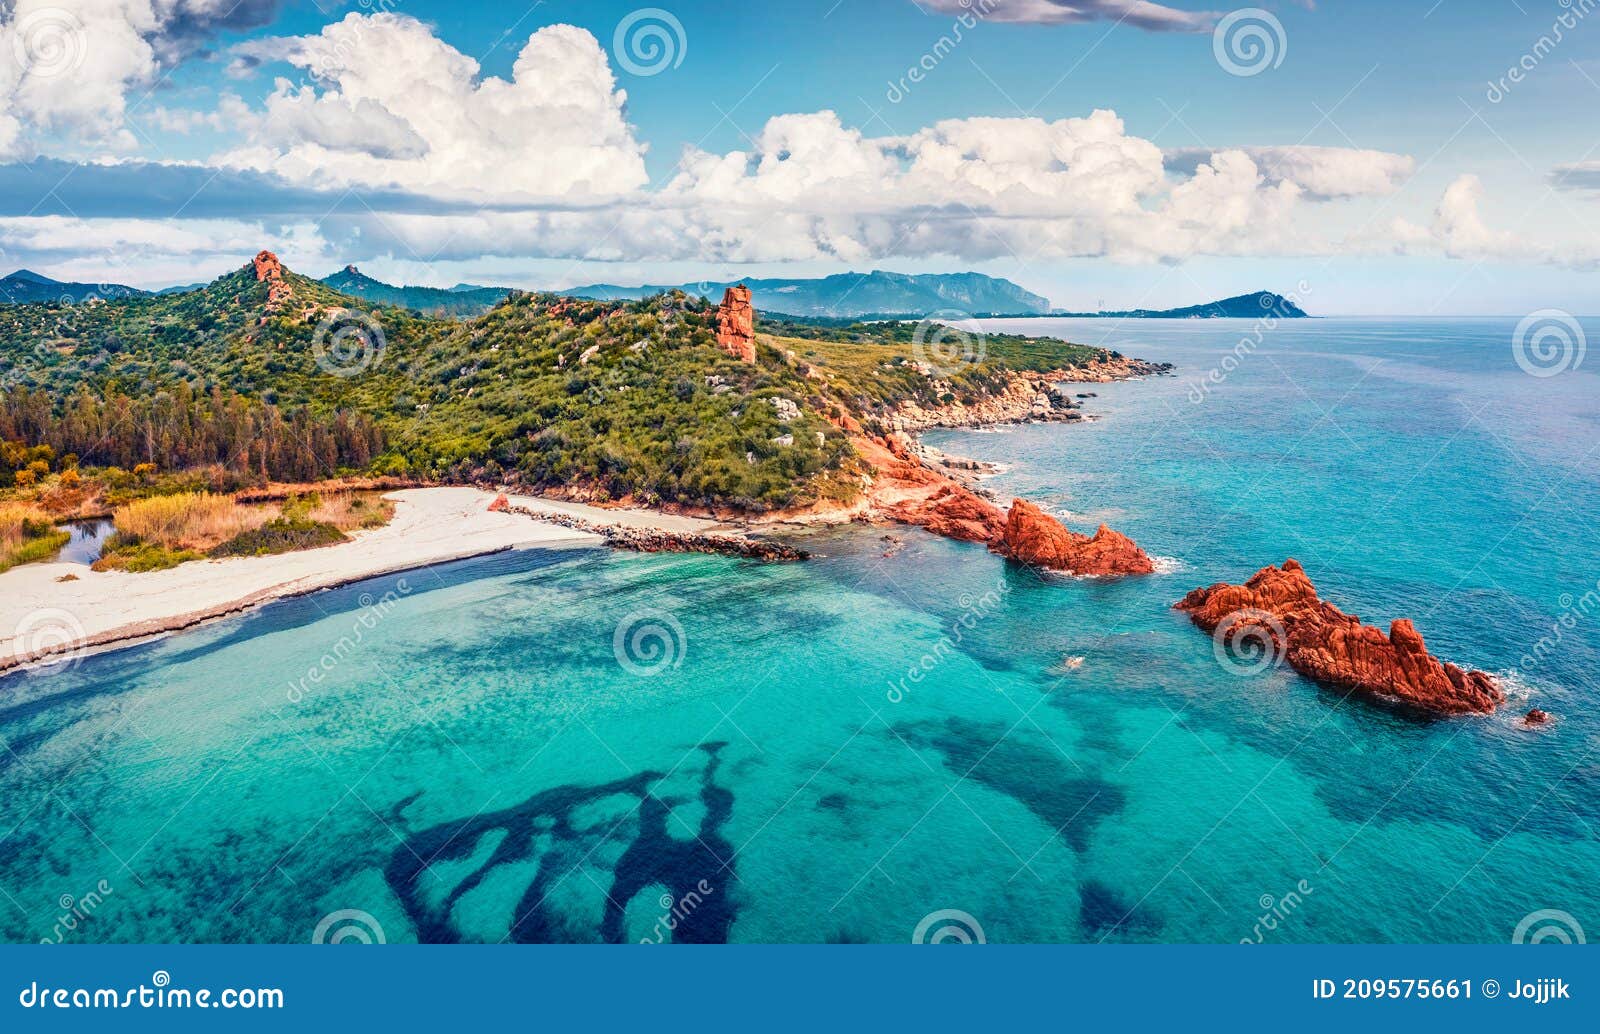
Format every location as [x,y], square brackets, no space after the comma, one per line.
[612,398]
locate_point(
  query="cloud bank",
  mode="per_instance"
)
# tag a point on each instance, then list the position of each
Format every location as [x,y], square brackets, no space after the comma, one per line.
[392,143]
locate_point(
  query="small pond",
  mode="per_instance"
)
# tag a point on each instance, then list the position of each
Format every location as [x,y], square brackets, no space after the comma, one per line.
[88,538]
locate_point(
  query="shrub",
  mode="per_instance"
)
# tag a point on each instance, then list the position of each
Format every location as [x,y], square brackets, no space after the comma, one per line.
[281,535]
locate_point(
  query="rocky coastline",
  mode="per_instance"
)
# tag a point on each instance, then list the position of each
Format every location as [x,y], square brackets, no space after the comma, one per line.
[1026,398]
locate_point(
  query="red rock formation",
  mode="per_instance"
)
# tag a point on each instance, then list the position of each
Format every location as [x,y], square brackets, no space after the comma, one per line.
[500,504]
[1535,718]
[270,272]
[954,512]
[1324,643]
[1032,536]
[736,324]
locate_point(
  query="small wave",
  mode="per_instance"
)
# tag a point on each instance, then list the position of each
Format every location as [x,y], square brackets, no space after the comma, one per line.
[1516,685]
[1168,565]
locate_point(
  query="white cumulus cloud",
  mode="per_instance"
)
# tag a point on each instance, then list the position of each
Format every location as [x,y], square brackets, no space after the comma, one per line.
[390,104]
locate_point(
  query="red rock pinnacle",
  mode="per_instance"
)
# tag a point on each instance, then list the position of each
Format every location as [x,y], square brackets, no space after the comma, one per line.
[736,324]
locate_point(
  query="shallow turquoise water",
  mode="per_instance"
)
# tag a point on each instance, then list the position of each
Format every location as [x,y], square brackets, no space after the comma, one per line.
[477,763]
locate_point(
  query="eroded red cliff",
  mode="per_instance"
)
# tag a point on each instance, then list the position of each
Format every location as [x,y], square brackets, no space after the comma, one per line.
[736,324]
[1324,643]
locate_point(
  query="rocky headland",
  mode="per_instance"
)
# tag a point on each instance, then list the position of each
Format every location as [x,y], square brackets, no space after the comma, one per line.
[1323,643]
[1025,398]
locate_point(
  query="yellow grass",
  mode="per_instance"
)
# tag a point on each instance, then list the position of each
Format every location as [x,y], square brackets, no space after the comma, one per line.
[12,517]
[350,511]
[189,520]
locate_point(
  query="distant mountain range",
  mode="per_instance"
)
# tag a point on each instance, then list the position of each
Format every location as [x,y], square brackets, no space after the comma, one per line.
[25,286]
[840,296]
[848,295]
[461,300]
[1243,306]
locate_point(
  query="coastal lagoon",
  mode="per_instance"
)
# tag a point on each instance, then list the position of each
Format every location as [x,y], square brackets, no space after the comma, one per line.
[580,745]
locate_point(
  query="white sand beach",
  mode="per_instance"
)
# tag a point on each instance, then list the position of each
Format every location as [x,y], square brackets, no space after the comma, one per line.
[42,616]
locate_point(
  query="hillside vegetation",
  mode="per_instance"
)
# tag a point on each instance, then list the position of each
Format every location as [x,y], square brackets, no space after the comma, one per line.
[275,376]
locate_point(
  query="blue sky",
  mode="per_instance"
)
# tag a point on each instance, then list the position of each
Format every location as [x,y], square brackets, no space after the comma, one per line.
[1373,157]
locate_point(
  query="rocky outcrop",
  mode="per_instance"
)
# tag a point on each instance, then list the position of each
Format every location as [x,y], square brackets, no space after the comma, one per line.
[1535,718]
[736,324]
[953,512]
[1320,641]
[1032,536]
[903,488]
[269,271]
[1023,398]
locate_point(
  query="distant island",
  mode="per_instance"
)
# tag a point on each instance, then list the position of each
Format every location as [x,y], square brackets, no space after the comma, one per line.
[1243,306]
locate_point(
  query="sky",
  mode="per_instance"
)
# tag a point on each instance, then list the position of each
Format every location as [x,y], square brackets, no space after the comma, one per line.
[1438,157]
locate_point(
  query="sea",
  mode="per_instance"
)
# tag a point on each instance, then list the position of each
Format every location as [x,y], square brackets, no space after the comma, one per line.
[905,738]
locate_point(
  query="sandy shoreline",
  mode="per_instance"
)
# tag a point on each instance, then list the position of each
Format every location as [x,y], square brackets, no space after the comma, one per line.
[41,617]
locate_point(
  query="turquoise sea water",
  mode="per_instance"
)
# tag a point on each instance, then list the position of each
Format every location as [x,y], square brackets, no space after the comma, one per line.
[580,745]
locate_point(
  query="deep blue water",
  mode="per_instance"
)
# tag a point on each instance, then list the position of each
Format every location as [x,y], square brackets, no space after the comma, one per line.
[491,754]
